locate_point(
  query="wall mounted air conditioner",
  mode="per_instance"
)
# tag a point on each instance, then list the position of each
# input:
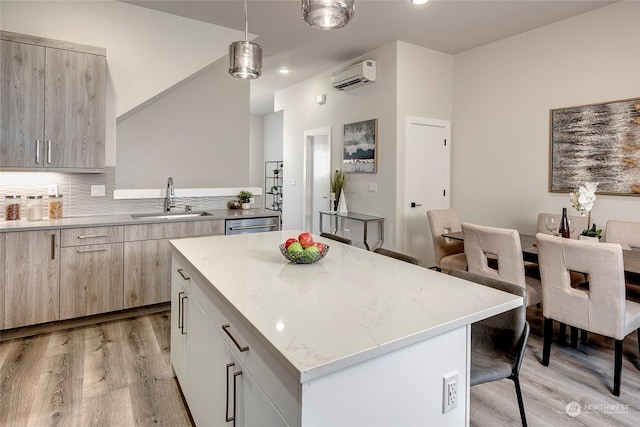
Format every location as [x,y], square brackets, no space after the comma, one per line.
[355,76]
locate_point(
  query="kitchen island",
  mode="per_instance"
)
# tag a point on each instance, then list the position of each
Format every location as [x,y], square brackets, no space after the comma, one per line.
[356,339]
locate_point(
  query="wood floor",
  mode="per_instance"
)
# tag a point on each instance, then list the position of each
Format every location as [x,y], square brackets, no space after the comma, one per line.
[118,374]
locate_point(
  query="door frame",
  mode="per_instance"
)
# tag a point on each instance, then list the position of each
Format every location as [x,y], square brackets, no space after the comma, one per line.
[308,157]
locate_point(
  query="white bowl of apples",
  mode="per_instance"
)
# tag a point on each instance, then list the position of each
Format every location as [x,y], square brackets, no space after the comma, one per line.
[303,250]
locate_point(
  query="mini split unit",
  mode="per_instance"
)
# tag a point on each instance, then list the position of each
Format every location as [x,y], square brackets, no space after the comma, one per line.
[355,76]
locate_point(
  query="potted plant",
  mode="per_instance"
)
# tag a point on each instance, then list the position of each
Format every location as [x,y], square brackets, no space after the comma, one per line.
[338,182]
[591,234]
[245,198]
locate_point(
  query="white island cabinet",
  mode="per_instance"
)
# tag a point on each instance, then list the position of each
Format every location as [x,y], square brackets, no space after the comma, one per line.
[356,339]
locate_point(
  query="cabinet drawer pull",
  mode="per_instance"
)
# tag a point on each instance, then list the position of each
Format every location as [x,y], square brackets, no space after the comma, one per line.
[53,246]
[82,251]
[181,271]
[180,322]
[37,151]
[181,312]
[93,236]
[225,328]
[235,386]
[48,151]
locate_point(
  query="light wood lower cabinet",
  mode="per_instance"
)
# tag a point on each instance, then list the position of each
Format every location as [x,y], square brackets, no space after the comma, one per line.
[32,272]
[90,280]
[2,272]
[147,258]
[217,385]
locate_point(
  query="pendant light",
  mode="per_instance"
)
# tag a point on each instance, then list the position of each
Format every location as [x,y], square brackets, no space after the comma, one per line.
[245,57]
[327,14]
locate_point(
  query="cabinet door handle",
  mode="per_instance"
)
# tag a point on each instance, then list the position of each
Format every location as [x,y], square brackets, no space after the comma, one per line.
[182,298]
[92,236]
[225,328]
[53,246]
[180,322]
[235,386]
[37,151]
[82,251]
[181,271]
[48,151]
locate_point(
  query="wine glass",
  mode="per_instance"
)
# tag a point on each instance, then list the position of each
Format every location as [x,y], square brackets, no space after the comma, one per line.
[572,227]
[551,224]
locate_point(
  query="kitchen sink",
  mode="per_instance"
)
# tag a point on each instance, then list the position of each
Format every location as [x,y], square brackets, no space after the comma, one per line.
[170,215]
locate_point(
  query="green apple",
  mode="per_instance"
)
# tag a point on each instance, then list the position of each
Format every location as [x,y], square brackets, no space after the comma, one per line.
[312,250]
[295,249]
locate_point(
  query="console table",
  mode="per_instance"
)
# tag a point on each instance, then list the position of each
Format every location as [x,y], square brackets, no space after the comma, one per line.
[365,219]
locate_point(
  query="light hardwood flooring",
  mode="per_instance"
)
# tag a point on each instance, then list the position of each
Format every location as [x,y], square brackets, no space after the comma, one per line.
[118,374]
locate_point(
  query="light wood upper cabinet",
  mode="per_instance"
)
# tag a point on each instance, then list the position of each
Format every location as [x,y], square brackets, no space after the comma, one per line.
[32,269]
[21,104]
[53,105]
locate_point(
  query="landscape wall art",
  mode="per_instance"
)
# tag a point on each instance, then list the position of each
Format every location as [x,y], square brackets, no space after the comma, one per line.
[359,146]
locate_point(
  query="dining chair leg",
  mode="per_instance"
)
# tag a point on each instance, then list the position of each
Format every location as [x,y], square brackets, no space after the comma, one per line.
[562,332]
[617,370]
[574,337]
[523,415]
[548,336]
[638,332]
[584,336]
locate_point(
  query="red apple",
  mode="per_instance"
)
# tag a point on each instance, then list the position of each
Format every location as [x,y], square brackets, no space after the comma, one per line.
[319,245]
[288,242]
[305,239]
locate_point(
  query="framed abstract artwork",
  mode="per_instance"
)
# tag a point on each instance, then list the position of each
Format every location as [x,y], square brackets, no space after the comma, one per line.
[596,142]
[360,146]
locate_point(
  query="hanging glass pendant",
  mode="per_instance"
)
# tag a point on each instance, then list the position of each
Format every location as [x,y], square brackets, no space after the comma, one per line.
[245,57]
[245,60]
[327,14]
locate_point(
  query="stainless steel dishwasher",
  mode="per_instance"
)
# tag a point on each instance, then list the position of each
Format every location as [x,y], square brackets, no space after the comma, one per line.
[252,225]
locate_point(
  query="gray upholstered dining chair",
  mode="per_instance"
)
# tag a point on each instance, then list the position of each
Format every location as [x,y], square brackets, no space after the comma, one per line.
[449,254]
[602,309]
[397,255]
[336,238]
[627,234]
[503,246]
[498,343]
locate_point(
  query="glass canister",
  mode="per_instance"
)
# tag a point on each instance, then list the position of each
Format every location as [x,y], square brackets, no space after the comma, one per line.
[34,208]
[55,206]
[12,207]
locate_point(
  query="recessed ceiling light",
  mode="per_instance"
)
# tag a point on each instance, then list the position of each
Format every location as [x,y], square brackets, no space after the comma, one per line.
[419,1]
[284,71]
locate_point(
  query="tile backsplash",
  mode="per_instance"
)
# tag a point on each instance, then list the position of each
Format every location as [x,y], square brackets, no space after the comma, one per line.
[76,191]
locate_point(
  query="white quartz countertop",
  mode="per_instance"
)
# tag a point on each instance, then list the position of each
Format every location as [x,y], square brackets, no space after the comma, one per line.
[351,306]
[126,219]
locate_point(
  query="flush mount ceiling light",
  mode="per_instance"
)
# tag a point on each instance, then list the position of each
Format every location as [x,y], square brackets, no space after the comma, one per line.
[245,57]
[327,14]
[419,1]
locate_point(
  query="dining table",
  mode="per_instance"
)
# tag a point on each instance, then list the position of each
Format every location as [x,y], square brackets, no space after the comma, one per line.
[631,258]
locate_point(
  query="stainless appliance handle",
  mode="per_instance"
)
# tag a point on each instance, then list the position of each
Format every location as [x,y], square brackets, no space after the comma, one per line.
[252,227]
[37,151]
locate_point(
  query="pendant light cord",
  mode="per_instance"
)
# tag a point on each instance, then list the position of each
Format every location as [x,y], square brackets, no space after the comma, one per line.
[246,23]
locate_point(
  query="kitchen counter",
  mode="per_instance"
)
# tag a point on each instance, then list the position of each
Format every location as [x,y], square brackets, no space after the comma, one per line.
[355,319]
[126,219]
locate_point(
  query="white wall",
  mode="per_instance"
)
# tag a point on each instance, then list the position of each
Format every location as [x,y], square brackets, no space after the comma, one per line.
[256,151]
[145,49]
[403,70]
[425,79]
[301,113]
[273,136]
[502,96]
[197,133]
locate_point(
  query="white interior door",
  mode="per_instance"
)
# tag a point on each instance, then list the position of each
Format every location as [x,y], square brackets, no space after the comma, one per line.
[317,176]
[427,181]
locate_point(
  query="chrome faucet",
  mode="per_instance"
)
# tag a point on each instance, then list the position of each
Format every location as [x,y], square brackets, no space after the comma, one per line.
[168,200]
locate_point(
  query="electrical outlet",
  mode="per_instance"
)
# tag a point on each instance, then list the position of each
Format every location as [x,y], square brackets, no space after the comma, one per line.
[53,189]
[346,233]
[97,190]
[449,391]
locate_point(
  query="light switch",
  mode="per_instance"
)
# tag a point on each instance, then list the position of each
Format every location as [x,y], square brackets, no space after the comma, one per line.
[292,181]
[97,190]
[373,187]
